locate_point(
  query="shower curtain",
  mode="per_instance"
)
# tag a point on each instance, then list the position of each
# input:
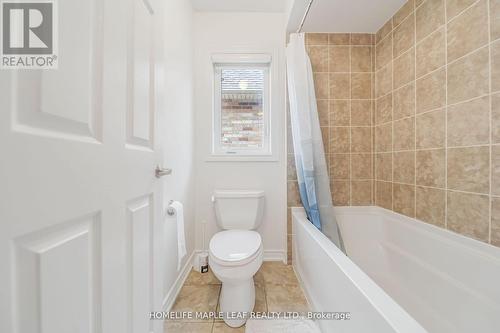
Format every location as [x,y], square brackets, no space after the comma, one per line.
[312,175]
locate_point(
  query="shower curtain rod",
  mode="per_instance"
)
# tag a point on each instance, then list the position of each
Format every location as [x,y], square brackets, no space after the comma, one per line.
[305,16]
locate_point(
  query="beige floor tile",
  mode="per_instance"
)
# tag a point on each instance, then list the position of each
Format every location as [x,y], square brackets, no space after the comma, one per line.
[283,298]
[197,278]
[274,272]
[203,298]
[182,327]
[223,328]
[260,298]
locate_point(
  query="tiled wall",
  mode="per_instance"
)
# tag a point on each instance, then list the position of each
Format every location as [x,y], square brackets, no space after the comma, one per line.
[343,75]
[437,118]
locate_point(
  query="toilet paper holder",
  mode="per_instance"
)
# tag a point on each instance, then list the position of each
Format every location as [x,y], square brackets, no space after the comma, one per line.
[170,210]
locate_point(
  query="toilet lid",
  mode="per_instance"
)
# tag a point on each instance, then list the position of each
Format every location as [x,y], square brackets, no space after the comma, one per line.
[235,245]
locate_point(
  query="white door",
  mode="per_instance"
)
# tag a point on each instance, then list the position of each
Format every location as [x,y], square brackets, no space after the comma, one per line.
[79,202]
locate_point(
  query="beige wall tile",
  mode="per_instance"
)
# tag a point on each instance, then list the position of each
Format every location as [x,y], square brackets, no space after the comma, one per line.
[429,17]
[384,109]
[384,31]
[383,138]
[383,81]
[340,86]
[361,58]
[403,12]
[362,39]
[321,85]
[404,134]
[361,192]
[495,118]
[431,53]
[290,167]
[340,192]
[339,112]
[318,54]
[431,91]
[431,204]
[316,39]
[404,199]
[325,135]
[361,85]
[404,36]
[468,31]
[383,166]
[469,123]
[383,195]
[495,66]
[404,69]
[383,52]
[323,112]
[361,112]
[404,101]
[339,58]
[293,197]
[468,169]
[339,39]
[361,139]
[455,7]
[340,166]
[494,19]
[430,167]
[339,140]
[361,166]
[468,214]
[495,221]
[431,129]
[495,170]
[468,77]
[404,167]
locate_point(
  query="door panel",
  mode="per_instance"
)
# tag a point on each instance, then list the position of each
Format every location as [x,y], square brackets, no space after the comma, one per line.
[140,262]
[47,279]
[80,218]
[140,115]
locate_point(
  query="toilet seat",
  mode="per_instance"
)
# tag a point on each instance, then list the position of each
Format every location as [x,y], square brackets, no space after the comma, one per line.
[235,247]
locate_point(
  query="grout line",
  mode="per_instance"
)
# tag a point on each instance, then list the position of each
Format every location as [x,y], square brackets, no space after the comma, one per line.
[415,113]
[446,116]
[350,123]
[490,201]
[392,117]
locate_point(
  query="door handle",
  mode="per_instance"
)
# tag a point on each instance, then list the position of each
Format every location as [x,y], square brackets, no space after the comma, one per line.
[160,172]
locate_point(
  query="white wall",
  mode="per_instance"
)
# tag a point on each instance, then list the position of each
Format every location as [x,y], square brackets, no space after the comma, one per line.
[240,33]
[178,135]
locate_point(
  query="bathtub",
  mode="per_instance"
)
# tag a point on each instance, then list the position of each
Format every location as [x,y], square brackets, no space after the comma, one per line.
[402,275]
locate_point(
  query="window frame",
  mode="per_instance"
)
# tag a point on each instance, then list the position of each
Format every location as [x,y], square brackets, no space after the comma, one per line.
[219,63]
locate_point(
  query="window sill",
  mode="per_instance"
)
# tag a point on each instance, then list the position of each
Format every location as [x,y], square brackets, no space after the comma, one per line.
[241,158]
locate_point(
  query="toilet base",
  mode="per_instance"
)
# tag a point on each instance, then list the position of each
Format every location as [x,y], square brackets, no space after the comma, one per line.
[237,300]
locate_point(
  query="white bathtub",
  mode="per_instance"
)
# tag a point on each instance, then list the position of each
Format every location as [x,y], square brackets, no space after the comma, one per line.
[402,275]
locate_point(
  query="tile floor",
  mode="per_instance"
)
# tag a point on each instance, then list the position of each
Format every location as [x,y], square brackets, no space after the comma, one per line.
[276,290]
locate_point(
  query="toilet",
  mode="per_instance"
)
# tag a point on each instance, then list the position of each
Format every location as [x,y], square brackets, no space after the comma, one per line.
[235,254]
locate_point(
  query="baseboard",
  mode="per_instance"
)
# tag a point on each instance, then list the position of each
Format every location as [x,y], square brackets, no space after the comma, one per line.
[172,294]
[275,255]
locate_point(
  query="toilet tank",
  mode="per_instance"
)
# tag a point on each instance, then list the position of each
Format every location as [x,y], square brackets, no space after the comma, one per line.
[238,209]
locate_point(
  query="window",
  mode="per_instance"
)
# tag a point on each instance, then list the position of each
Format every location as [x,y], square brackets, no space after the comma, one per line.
[241,109]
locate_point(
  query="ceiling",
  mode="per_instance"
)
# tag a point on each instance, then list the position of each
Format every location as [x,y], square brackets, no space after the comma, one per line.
[273,6]
[324,16]
[343,15]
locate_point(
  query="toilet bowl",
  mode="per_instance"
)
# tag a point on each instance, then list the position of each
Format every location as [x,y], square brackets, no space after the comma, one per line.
[236,253]
[235,256]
